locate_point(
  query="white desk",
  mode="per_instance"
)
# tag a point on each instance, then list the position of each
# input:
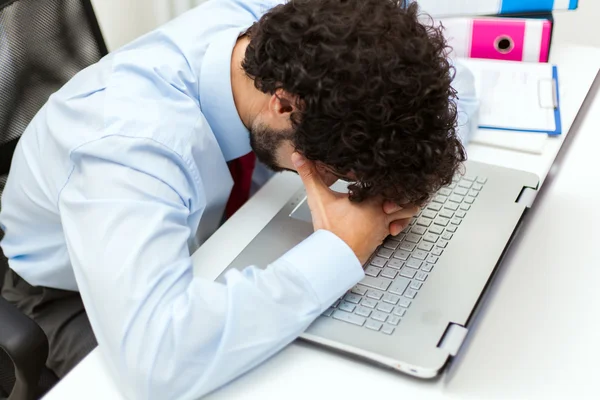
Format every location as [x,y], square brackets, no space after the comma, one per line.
[536,335]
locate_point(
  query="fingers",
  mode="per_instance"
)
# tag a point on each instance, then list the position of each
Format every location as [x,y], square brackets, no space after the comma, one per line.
[309,174]
[398,226]
[407,212]
[389,207]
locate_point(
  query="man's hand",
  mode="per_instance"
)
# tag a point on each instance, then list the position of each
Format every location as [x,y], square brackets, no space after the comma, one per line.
[363,226]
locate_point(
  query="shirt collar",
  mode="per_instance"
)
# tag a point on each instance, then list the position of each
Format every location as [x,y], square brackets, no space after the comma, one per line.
[216,96]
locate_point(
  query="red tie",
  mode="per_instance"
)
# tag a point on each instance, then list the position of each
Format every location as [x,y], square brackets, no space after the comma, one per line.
[241,170]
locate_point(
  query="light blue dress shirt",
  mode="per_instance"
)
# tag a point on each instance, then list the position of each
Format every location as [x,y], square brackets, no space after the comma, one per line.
[123,174]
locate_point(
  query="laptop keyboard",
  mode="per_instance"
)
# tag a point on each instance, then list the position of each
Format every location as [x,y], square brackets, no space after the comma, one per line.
[399,268]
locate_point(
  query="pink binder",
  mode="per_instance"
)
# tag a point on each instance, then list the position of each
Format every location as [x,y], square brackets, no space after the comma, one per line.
[513,39]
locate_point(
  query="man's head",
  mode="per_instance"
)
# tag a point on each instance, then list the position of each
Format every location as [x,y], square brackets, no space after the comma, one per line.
[363,88]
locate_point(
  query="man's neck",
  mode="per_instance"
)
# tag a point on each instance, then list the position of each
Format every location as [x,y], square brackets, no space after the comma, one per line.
[248,100]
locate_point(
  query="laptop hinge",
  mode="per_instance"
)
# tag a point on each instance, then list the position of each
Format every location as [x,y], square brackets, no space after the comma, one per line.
[527,197]
[453,338]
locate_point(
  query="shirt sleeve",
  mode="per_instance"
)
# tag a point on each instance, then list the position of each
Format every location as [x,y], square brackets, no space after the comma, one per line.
[165,333]
[467,102]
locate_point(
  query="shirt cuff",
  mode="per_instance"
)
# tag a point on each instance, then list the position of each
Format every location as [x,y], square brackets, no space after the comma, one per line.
[328,264]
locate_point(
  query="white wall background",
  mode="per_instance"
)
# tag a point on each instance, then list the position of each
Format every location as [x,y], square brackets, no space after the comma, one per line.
[124,20]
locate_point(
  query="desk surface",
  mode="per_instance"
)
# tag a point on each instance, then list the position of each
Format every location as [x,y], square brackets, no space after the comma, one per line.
[534,336]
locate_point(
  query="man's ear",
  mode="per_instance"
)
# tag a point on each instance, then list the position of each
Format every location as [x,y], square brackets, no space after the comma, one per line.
[282,104]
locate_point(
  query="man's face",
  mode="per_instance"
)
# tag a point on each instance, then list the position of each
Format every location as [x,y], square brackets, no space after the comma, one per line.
[273,147]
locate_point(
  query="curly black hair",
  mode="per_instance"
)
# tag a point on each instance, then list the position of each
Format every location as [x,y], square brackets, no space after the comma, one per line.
[374,92]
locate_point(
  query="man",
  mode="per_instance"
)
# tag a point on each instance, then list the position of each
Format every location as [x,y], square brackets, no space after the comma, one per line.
[123,174]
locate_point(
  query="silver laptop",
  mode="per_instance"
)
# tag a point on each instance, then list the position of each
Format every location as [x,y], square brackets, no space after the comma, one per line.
[412,310]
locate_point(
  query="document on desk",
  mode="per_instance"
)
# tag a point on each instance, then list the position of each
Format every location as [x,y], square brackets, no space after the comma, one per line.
[517,96]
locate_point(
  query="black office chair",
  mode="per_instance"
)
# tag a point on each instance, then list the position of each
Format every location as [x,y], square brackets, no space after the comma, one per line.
[43,43]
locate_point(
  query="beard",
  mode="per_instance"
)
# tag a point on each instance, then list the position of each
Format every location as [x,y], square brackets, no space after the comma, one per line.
[265,142]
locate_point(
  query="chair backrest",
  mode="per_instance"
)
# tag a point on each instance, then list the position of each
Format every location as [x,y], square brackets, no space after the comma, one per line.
[43,43]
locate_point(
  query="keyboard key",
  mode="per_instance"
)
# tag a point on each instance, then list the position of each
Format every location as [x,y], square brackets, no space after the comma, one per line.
[432,259]
[385,253]
[402,255]
[436,252]
[373,325]
[451,206]
[399,237]
[469,199]
[465,207]
[393,320]
[411,237]
[408,272]
[424,221]
[378,261]
[359,290]
[369,303]
[477,186]
[398,287]
[442,243]
[452,185]
[464,184]
[375,294]
[347,317]
[445,191]
[456,198]
[376,283]
[447,236]
[406,246]
[456,221]
[400,311]
[473,193]
[469,178]
[352,298]
[391,244]
[430,237]
[461,191]
[337,303]
[416,285]
[460,214]
[388,330]
[414,263]
[390,298]
[436,229]
[429,214]
[421,276]
[425,246]
[403,302]
[386,308]
[420,254]
[440,199]
[441,221]
[345,306]
[372,271]
[379,316]
[481,180]
[418,230]
[397,264]
[434,206]
[388,273]
[446,213]
[328,312]
[410,293]
[362,311]
[427,267]
[452,228]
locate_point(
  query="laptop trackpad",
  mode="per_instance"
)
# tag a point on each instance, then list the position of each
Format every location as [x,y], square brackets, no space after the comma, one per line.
[302,212]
